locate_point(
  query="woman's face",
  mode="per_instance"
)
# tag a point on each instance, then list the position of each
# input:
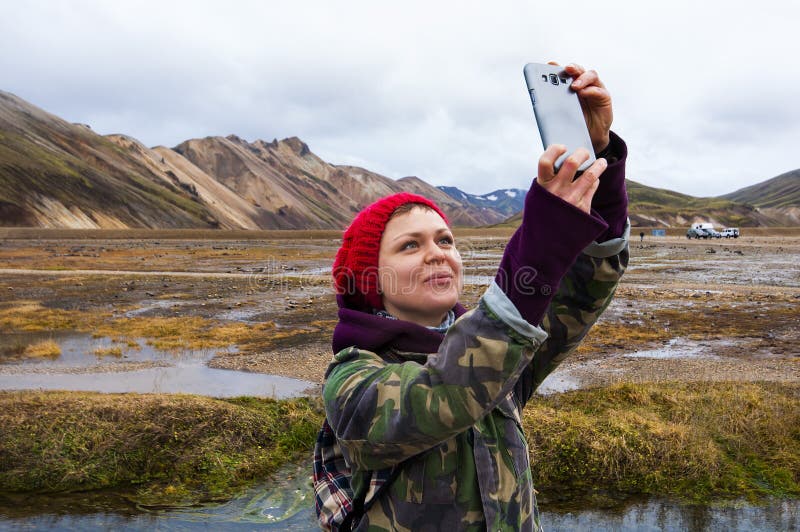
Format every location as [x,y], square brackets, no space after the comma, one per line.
[419,267]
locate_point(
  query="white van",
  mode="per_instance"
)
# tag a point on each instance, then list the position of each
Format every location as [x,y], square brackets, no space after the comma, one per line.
[702,225]
[730,232]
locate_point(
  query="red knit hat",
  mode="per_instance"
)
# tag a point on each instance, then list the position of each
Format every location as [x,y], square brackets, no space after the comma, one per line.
[355,269]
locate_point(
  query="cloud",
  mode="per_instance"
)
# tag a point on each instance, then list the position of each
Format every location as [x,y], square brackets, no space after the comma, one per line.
[420,88]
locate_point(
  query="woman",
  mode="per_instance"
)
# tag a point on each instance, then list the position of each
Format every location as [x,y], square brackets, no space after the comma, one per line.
[423,398]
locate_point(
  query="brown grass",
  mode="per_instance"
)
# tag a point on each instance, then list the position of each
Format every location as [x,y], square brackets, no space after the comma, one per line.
[114,351]
[44,349]
[167,448]
[692,441]
[698,441]
[709,320]
[33,316]
[186,332]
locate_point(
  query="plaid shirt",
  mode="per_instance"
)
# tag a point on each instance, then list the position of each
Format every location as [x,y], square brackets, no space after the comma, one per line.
[333,494]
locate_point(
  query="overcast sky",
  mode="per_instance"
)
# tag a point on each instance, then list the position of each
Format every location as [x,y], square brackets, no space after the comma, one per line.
[705,93]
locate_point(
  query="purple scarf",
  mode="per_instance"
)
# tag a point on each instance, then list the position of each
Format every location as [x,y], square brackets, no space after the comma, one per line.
[374,333]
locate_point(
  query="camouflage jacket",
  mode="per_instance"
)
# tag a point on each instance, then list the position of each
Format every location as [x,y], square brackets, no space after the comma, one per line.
[448,423]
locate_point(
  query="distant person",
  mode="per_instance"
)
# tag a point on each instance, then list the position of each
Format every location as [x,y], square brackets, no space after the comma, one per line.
[641,237]
[423,398]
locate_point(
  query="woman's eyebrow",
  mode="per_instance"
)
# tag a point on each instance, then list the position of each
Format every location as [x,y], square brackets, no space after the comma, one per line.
[417,234]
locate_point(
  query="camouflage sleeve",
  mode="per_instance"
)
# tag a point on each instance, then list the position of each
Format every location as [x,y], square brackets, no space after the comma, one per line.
[383,413]
[583,295]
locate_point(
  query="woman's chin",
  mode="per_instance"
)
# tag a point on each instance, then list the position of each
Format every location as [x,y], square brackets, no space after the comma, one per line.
[442,303]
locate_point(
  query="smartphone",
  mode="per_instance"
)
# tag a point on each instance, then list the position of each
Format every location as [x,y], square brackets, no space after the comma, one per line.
[558,111]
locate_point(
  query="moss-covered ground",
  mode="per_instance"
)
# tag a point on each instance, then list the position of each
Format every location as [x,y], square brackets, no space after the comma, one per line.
[692,442]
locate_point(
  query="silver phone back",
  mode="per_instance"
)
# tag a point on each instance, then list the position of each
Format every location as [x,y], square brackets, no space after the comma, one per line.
[557,110]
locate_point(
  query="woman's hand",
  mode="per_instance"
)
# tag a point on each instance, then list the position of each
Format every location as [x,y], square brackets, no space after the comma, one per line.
[578,192]
[595,102]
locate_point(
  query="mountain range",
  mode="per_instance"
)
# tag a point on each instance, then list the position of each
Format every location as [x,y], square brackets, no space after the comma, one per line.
[62,175]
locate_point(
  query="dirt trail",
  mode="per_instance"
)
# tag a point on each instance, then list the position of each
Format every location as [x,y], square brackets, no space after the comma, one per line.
[160,273]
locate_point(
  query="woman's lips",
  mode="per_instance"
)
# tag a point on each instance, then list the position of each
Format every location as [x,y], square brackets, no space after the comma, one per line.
[439,279]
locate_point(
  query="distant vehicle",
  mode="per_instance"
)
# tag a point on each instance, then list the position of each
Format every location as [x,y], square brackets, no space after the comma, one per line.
[730,232]
[702,232]
[702,225]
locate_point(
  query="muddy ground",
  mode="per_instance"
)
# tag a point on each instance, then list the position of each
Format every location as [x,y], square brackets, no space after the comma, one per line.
[686,310]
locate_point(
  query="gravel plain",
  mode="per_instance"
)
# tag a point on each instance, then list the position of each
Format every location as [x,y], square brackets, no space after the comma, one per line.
[686,310]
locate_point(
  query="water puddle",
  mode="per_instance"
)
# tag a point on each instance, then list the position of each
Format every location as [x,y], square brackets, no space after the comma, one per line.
[154,307]
[323,271]
[771,270]
[668,516]
[283,503]
[571,376]
[184,378]
[558,382]
[286,502]
[78,350]
[250,315]
[676,348]
[140,369]
[478,280]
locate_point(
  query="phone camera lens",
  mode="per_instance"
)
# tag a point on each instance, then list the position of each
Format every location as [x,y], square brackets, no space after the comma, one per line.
[553,79]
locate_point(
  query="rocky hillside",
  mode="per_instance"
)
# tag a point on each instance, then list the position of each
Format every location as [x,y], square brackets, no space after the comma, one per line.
[650,206]
[775,202]
[508,201]
[57,174]
[300,190]
[457,209]
[777,198]
[655,207]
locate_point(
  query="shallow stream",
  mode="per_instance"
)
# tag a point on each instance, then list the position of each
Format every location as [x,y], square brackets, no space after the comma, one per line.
[139,369]
[286,503]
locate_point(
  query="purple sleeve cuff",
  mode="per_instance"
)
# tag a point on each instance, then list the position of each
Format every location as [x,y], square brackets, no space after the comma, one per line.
[552,235]
[610,201]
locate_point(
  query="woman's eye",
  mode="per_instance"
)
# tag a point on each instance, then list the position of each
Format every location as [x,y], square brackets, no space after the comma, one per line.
[447,240]
[411,244]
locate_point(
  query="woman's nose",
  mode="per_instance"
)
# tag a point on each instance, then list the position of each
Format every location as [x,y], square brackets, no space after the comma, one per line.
[434,253]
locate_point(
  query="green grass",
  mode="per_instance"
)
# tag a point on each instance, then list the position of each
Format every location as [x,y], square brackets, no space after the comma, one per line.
[698,442]
[164,448]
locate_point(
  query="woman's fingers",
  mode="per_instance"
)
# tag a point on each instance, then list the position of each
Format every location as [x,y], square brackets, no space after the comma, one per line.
[585,186]
[547,162]
[590,177]
[578,192]
[586,78]
[571,164]
[585,201]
